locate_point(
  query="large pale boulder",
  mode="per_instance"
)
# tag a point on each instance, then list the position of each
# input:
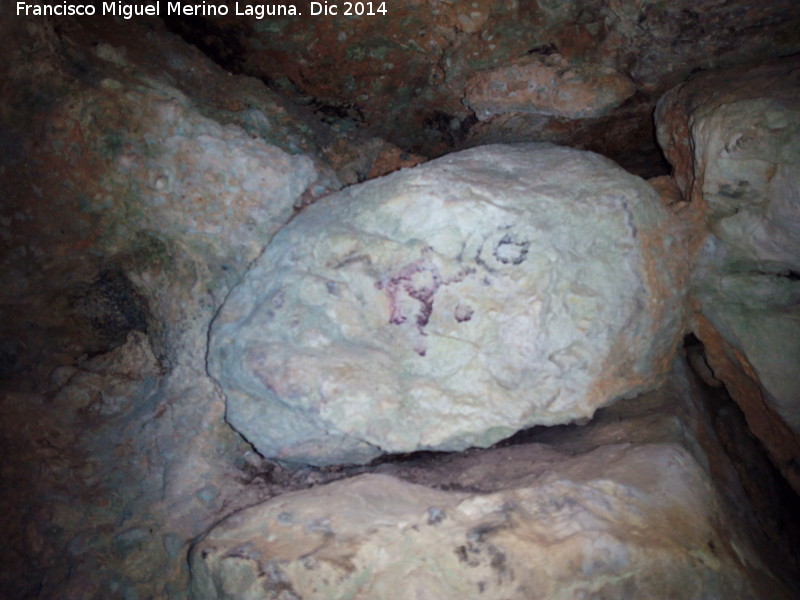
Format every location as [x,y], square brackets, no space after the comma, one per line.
[736,152]
[450,305]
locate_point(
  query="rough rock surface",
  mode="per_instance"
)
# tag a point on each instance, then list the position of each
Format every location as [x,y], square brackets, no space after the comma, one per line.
[120,176]
[450,305]
[573,534]
[621,508]
[546,85]
[736,152]
[406,75]
[131,168]
[139,181]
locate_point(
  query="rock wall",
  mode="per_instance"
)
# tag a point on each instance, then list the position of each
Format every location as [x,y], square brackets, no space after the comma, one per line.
[140,181]
[736,152]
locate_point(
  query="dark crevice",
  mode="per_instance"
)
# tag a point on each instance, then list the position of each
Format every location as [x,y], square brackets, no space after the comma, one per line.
[544,49]
[107,310]
[451,130]
[331,113]
[775,504]
[790,275]
[534,434]
[220,44]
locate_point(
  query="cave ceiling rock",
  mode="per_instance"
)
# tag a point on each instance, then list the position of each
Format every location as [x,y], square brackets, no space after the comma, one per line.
[452,304]
[547,86]
[736,153]
[404,75]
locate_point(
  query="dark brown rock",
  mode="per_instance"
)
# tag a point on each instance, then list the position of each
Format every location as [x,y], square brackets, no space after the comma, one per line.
[412,76]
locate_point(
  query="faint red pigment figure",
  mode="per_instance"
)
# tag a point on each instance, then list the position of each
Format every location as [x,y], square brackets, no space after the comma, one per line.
[419,282]
[411,292]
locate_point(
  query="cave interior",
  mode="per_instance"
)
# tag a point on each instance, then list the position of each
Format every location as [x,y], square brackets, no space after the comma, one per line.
[231,233]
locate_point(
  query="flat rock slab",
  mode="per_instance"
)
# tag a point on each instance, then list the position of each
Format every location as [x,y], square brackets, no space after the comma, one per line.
[451,305]
[620,522]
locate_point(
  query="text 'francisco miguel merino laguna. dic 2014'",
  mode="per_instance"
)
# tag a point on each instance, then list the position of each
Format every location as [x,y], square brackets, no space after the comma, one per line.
[203,9]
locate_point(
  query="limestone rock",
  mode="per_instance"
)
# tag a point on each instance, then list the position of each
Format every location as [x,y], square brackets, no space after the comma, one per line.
[140,180]
[621,508]
[124,194]
[736,152]
[403,75]
[450,305]
[569,536]
[547,86]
